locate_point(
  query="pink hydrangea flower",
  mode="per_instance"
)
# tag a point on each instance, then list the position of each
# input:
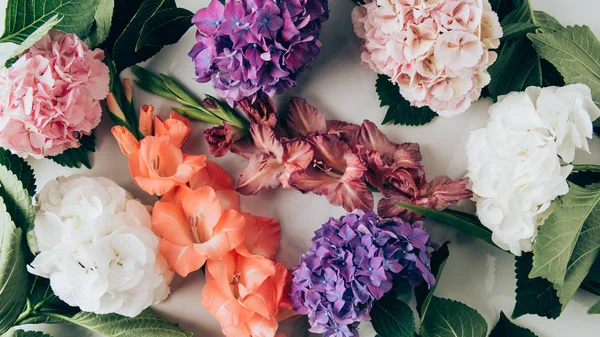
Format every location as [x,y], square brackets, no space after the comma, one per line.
[437,51]
[51,96]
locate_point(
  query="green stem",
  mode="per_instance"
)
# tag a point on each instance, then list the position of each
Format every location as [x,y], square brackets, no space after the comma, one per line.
[586,168]
[25,314]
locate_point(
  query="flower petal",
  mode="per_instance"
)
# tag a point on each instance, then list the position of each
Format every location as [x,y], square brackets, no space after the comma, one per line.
[262,172]
[372,138]
[126,140]
[214,176]
[203,209]
[264,139]
[182,259]
[304,119]
[176,127]
[263,236]
[228,234]
[146,117]
[171,223]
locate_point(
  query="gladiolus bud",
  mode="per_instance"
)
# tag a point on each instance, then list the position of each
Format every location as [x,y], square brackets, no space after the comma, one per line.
[127,89]
[114,107]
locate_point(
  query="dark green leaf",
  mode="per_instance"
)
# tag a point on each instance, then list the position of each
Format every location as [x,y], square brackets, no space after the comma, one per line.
[574,52]
[17,199]
[392,318]
[400,111]
[23,333]
[519,22]
[505,328]
[23,18]
[13,274]
[447,318]
[467,224]
[102,22]
[534,296]
[147,324]
[123,12]
[595,309]
[124,53]
[546,22]
[42,299]
[505,7]
[517,67]
[550,76]
[165,27]
[19,168]
[74,158]
[423,293]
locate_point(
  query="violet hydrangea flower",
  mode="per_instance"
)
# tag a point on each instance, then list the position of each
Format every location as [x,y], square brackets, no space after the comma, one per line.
[252,47]
[352,263]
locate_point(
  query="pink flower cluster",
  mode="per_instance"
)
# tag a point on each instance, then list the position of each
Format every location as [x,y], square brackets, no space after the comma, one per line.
[334,159]
[51,96]
[436,51]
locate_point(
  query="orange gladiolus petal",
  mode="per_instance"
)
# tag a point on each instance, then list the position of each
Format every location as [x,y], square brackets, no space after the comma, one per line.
[254,270]
[262,326]
[197,163]
[155,186]
[146,117]
[177,128]
[214,176]
[263,301]
[182,259]
[161,157]
[228,234]
[203,209]
[222,272]
[171,223]
[127,142]
[263,236]
[229,199]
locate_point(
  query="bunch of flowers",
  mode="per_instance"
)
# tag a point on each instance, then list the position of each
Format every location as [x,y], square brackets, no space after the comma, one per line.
[199,222]
[331,158]
[97,247]
[256,46]
[50,97]
[438,52]
[352,263]
[514,162]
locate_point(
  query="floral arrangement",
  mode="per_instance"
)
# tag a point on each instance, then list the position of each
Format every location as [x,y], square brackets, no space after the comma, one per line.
[437,52]
[50,97]
[84,251]
[250,48]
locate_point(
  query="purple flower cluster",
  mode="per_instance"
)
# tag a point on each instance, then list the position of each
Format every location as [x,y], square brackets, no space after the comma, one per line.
[352,263]
[249,47]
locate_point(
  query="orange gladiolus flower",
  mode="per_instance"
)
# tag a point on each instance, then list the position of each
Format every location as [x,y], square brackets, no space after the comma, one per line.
[214,176]
[246,294]
[194,227]
[127,142]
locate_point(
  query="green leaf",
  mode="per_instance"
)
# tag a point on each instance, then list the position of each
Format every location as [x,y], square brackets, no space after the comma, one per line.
[23,17]
[423,293]
[595,309]
[19,167]
[519,22]
[461,221]
[518,67]
[447,318]
[556,239]
[42,299]
[584,254]
[17,200]
[400,111]
[147,324]
[392,318]
[124,53]
[505,7]
[505,328]
[13,274]
[37,35]
[165,27]
[102,23]
[23,333]
[534,296]
[546,22]
[74,158]
[574,52]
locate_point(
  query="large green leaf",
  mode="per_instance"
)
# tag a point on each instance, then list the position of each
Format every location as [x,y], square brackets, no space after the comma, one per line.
[557,238]
[447,318]
[546,22]
[504,7]
[400,110]
[24,17]
[534,296]
[17,200]
[147,324]
[20,168]
[423,293]
[165,27]
[23,333]
[13,274]
[102,23]
[124,53]
[518,67]
[519,22]
[392,318]
[575,52]
[595,309]
[37,35]
[506,328]
[75,158]
[462,221]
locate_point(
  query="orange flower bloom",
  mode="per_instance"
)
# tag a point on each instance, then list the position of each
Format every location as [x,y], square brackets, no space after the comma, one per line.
[246,294]
[146,116]
[127,142]
[214,176]
[194,227]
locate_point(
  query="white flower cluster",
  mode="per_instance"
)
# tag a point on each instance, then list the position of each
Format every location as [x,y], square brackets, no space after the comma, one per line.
[97,248]
[514,162]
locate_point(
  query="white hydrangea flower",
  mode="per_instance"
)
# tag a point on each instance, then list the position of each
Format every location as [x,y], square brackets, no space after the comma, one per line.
[97,248]
[514,163]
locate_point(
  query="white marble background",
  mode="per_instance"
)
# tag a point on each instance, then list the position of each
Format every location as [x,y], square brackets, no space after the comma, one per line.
[476,274]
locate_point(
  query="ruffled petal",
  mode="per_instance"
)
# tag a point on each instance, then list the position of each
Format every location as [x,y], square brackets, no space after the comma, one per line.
[263,236]
[262,172]
[170,222]
[304,119]
[264,139]
[214,176]
[182,259]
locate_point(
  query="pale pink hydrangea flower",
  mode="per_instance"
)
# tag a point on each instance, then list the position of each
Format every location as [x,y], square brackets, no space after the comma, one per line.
[437,51]
[51,96]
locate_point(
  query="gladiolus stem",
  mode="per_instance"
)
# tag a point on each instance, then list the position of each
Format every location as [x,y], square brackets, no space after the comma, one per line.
[586,168]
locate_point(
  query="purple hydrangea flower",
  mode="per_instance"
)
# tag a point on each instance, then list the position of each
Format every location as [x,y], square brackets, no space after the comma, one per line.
[352,263]
[249,48]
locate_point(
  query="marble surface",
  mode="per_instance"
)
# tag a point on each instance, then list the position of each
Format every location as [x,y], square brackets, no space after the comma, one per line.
[476,274]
